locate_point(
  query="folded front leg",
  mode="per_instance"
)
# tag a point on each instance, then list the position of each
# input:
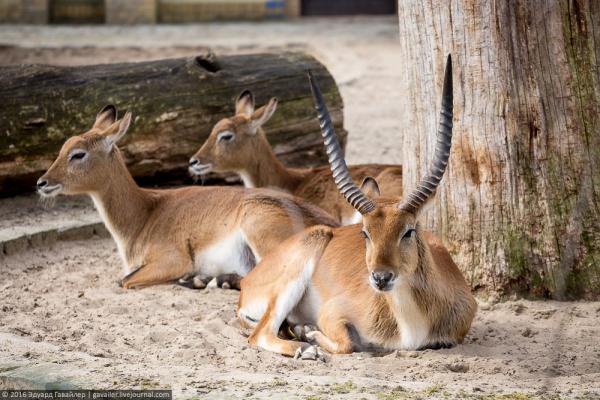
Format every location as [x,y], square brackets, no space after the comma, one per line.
[163,269]
[332,334]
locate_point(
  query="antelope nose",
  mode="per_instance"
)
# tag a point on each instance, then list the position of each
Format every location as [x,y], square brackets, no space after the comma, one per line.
[382,279]
[41,183]
[193,162]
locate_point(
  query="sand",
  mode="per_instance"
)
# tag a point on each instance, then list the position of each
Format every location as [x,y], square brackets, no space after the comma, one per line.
[189,340]
[63,314]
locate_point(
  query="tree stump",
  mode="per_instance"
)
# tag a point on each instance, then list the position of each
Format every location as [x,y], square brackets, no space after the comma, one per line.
[519,205]
[175,103]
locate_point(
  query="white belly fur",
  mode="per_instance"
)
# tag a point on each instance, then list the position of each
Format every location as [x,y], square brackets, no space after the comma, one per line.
[224,257]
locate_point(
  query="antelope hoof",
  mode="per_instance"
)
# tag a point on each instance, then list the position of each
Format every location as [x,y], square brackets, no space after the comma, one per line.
[200,282]
[310,352]
[194,281]
[437,345]
[229,281]
[301,333]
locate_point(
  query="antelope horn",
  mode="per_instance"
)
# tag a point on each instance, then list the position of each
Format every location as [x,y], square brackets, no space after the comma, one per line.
[430,182]
[339,169]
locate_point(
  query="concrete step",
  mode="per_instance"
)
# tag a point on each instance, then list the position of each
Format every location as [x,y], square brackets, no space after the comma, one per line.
[28,221]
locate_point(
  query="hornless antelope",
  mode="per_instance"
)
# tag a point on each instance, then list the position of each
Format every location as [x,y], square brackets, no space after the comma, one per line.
[386,284]
[238,144]
[164,235]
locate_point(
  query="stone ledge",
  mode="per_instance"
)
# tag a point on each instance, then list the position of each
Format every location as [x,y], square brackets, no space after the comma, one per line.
[67,370]
[25,223]
[48,237]
[44,376]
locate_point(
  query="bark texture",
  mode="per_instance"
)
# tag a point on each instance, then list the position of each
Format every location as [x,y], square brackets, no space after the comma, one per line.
[175,103]
[519,205]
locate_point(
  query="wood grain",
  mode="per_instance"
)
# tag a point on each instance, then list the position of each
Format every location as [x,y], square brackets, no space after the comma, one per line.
[519,205]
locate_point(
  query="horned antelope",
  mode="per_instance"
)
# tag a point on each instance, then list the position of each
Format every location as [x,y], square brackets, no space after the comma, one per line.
[165,235]
[383,284]
[239,144]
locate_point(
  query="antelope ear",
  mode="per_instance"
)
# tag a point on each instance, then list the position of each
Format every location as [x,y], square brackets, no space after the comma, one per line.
[370,187]
[117,130]
[106,117]
[244,103]
[262,115]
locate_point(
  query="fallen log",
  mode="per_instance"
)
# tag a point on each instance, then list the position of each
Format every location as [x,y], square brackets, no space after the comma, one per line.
[175,103]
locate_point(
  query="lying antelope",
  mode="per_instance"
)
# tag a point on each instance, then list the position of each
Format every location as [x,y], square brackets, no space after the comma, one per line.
[238,144]
[383,284]
[164,235]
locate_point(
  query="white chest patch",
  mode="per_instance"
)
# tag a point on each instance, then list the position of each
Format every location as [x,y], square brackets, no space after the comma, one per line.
[113,232]
[414,327]
[230,255]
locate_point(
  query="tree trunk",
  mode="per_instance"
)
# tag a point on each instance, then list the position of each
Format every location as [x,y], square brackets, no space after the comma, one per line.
[519,205]
[175,103]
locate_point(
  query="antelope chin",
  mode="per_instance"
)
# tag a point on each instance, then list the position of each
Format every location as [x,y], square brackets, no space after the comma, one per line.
[200,169]
[50,191]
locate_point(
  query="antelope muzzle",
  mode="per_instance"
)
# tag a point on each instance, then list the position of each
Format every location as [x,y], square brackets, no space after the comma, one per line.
[382,280]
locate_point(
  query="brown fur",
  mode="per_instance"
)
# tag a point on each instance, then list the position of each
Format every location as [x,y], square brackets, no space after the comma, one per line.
[160,233]
[250,154]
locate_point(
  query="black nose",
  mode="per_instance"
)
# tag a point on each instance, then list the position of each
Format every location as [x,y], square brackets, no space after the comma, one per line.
[193,162]
[41,183]
[382,279]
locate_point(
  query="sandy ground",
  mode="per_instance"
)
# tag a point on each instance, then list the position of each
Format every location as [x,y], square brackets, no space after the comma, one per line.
[61,309]
[168,336]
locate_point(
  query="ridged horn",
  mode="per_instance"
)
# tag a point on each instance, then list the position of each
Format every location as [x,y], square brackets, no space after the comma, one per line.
[347,187]
[429,183]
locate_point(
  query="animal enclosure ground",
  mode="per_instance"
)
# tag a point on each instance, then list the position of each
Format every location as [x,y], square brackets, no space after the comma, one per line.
[62,309]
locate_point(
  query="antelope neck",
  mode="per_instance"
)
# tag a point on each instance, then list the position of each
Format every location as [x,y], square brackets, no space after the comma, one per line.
[122,204]
[268,171]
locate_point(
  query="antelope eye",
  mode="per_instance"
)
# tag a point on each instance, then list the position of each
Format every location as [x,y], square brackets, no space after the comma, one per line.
[225,137]
[364,233]
[78,155]
[410,232]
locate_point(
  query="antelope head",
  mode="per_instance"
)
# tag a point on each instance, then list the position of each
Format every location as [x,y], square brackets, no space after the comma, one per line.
[390,226]
[234,142]
[84,161]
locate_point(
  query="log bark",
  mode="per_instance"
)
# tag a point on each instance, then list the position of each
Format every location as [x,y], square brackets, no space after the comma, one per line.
[175,103]
[519,206]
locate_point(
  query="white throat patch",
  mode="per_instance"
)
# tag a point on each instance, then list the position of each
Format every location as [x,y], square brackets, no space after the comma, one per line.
[113,232]
[246,179]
